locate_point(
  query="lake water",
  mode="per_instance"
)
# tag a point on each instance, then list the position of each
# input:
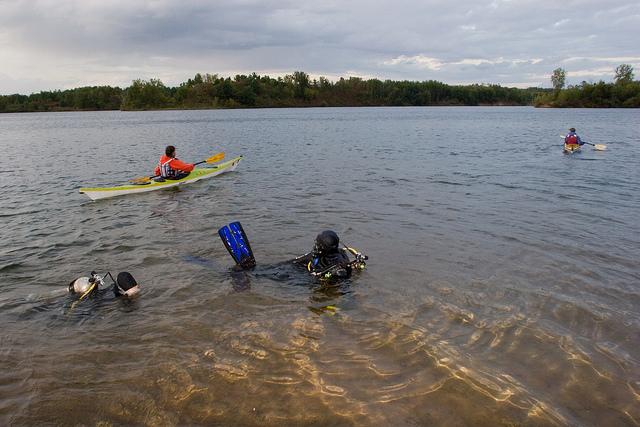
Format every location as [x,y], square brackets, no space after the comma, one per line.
[503,286]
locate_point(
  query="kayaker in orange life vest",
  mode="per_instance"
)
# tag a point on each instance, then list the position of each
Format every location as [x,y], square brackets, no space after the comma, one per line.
[171,168]
[572,140]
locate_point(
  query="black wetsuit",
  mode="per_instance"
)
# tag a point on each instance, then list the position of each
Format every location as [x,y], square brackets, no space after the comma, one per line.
[333,265]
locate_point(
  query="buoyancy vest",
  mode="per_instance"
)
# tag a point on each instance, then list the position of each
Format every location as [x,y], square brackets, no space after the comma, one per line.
[165,169]
[571,138]
[334,265]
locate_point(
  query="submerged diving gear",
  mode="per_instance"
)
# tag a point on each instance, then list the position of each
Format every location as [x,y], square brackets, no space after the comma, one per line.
[358,263]
[334,265]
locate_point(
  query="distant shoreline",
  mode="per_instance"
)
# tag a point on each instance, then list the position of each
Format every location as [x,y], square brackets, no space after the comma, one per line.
[254,91]
[298,90]
[303,107]
[260,108]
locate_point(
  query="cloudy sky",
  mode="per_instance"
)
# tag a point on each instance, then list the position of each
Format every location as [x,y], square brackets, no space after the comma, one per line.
[58,44]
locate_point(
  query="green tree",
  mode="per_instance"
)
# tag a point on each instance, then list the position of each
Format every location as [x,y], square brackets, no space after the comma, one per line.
[624,74]
[143,94]
[558,78]
[301,83]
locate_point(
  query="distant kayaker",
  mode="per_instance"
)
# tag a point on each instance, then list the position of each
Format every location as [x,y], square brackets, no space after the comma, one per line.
[572,140]
[169,167]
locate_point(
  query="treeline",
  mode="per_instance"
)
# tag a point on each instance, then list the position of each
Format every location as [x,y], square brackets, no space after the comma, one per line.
[247,91]
[624,92]
[593,95]
[83,98]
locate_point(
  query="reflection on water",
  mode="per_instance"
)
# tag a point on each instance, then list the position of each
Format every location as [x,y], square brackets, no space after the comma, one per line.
[502,287]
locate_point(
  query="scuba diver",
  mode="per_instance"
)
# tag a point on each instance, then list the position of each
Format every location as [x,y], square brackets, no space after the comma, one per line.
[326,261]
[84,296]
[123,286]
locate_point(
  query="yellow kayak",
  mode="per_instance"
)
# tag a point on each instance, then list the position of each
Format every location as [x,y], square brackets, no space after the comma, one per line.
[96,193]
[571,148]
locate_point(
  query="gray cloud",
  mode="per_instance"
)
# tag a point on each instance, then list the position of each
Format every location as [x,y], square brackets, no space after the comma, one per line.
[49,44]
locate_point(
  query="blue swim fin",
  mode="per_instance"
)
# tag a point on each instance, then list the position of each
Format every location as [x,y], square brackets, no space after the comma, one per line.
[237,243]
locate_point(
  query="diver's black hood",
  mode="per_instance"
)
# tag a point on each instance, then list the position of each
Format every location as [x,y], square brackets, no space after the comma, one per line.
[327,242]
[125,284]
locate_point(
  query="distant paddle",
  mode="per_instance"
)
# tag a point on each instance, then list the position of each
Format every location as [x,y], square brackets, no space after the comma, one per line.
[145,179]
[598,147]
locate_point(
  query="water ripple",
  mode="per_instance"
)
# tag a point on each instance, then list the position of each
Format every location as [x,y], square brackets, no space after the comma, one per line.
[501,287]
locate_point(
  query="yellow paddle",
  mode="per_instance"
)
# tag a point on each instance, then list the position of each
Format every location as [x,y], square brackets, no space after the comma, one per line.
[599,147]
[145,179]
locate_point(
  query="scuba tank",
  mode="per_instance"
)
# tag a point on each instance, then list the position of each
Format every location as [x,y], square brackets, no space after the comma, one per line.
[85,286]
